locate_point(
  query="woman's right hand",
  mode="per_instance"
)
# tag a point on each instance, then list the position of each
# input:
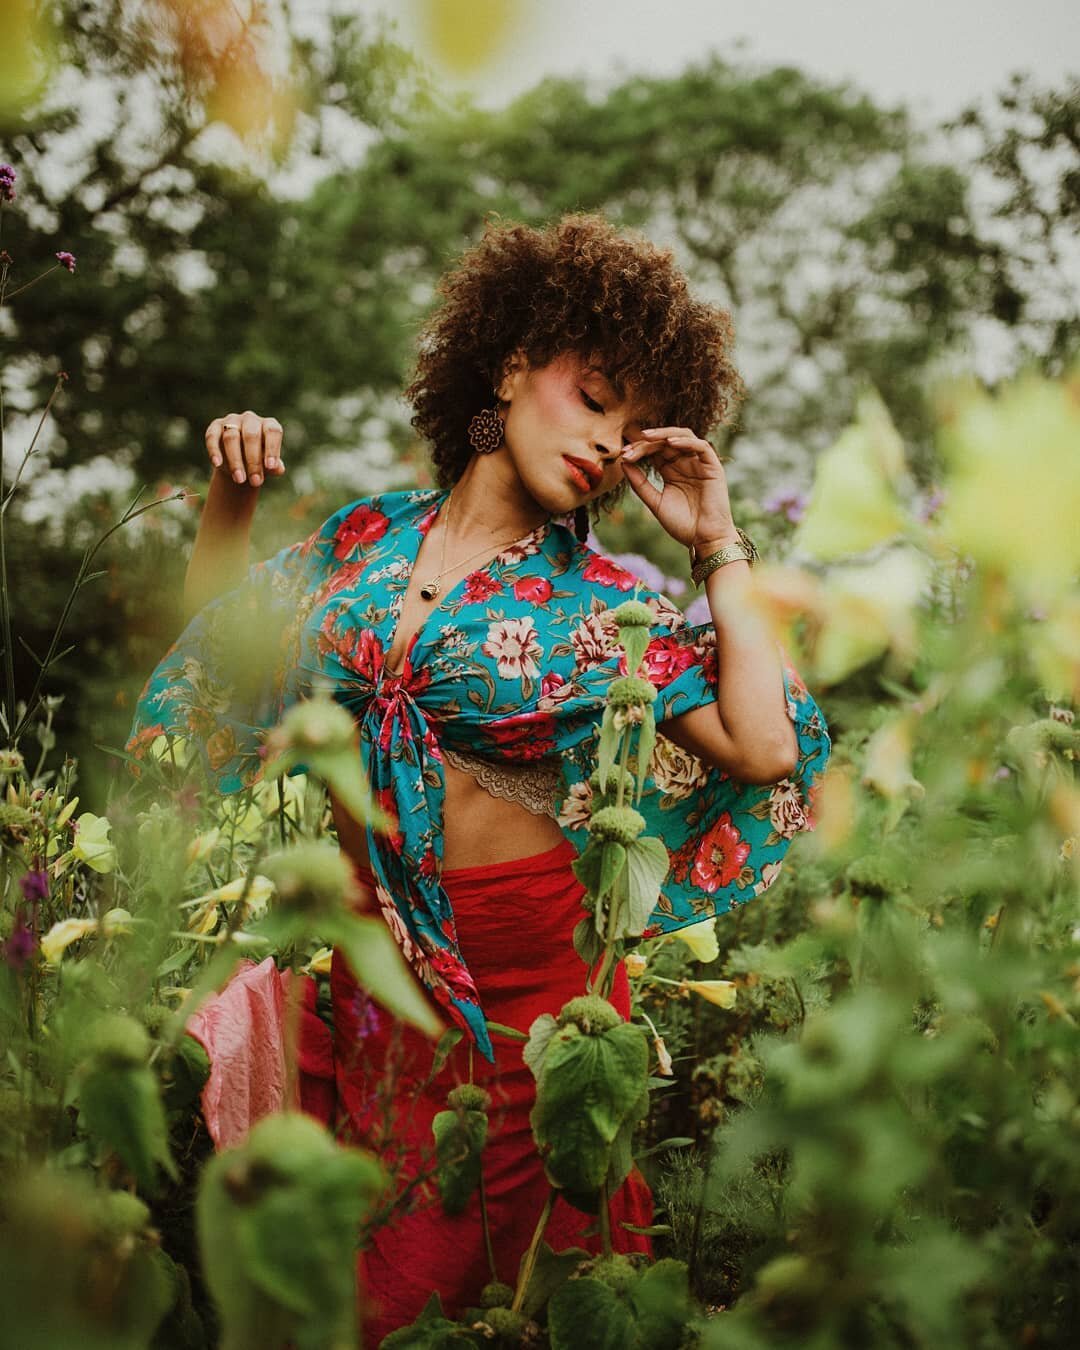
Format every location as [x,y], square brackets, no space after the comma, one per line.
[245,448]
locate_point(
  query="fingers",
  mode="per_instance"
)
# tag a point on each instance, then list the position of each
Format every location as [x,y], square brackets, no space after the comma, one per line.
[246,446]
[638,479]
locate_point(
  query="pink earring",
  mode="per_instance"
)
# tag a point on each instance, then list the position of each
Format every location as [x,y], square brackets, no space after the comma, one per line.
[486,431]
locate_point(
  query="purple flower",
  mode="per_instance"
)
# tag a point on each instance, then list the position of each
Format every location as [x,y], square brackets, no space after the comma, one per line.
[20,945]
[641,567]
[7,183]
[1001,772]
[790,502]
[698,611]
[67,259]
[366,1013]
[35,886]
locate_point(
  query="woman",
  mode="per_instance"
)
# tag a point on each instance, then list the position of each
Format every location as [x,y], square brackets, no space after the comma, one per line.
[470,634]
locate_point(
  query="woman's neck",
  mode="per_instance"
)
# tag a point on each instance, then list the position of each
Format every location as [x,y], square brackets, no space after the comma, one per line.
[490,503]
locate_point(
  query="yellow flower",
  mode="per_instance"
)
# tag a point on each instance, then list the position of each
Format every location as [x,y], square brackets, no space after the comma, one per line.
[720,992]
[204,917]
[663,1066]
[244,823]
[1014,480]
[92,843]
[179,752]
[61,935]
[320,962]
[854,503]
[701,939]
[635,964]
[202,846]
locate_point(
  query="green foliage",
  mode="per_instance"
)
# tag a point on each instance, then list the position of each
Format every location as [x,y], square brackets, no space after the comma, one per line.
[278,1217]
[460,1135]
[617,1305]
[79,1265]
[591,1091]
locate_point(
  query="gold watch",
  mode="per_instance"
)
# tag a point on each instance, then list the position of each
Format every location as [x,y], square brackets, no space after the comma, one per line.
[702,567]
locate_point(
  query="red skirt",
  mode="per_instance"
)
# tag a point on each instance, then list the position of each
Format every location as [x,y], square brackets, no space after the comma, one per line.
[514,923]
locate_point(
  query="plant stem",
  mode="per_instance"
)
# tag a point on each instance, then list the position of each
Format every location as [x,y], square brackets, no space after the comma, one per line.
[129,514]
[292,1041]
[605,1221]
[530,1255]
[487,1225]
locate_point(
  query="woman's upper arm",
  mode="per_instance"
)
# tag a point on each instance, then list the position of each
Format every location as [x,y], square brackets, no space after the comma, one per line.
[702,733]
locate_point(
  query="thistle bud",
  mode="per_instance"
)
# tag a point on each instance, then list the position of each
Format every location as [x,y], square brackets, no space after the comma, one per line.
[621,824]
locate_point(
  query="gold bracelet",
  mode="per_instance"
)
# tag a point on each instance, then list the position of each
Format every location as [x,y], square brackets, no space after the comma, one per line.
[703,567]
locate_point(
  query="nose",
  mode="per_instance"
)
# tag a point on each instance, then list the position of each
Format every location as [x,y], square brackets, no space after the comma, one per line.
[604,452]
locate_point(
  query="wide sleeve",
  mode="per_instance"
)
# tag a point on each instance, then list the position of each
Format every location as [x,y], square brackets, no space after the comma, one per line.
[726,839]
[235,669]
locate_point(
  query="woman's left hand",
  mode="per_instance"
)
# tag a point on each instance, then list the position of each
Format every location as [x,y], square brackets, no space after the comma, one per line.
[693,504]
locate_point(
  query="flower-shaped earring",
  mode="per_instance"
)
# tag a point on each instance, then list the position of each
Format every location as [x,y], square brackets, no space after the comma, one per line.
[486,431]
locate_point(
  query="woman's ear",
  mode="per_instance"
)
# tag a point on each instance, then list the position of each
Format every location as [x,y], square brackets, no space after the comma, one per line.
[513,368]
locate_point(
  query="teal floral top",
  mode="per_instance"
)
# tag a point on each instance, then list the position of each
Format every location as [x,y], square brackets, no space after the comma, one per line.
[513,662]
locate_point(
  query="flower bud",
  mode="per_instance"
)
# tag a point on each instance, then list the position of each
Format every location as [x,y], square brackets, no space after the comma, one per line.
[314,724]
[468,1097]
[633,614]
[621,824]
[313,878]
[590,1013]
[631,691]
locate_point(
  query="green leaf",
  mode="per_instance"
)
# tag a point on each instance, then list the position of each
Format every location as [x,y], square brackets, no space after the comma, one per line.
[647,866]
[586,1315]
[277,1223]
[501,1029]
[459,1144]
[661,1299]
[121,1108]
[612,862]
[550,1270]
[645,746]
[540,1034]
[587,941]
[378,966]
[608,749]
[589,1087]
[447,1041]
[634,641]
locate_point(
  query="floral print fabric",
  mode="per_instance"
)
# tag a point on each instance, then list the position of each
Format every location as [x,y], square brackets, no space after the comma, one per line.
[513,662]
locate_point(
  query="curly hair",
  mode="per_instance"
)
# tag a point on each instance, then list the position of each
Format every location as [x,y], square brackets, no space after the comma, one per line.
[579,286]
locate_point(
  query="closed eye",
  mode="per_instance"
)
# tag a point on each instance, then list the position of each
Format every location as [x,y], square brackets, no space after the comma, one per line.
[590,403]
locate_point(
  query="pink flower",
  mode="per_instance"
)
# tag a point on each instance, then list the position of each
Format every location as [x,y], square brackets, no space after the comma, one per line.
[606,573]
[7,183]
[720,856]
[533,590]
[666,658]
[480,587]
[363,527]
[529,735]
[67,260]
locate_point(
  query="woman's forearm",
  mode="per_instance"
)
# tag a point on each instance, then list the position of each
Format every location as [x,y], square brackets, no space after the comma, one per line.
[750,695]
[219,558]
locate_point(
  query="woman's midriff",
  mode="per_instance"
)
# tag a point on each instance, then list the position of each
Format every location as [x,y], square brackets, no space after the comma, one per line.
[478,828]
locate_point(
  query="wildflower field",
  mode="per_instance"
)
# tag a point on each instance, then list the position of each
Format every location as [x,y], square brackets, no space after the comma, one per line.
[856,1097]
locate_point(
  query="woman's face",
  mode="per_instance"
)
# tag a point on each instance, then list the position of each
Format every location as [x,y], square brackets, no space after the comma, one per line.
[565,429]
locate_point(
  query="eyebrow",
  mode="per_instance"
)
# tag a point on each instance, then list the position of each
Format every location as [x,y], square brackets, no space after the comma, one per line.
[642,415]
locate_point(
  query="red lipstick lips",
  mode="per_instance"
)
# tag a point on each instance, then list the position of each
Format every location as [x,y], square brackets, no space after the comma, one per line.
[584,472]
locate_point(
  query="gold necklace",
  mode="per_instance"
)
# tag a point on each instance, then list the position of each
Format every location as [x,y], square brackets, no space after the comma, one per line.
[430,589]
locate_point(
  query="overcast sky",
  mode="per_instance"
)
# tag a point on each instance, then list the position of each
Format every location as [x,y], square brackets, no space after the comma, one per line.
[936,55]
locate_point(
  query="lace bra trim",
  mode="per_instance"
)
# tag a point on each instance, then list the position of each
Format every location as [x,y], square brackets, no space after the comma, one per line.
[533,786]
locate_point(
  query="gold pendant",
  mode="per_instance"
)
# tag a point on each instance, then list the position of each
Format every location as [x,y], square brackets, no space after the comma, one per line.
[429,590]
